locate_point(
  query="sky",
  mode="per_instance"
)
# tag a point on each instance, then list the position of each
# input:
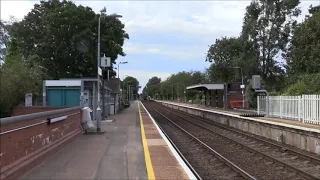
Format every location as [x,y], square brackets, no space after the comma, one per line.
[165,36]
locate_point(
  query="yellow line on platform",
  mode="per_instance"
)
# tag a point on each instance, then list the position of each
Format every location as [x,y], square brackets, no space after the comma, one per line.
[146,149]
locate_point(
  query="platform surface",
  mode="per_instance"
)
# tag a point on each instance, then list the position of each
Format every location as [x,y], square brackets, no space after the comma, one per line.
[118,153]
[280,121]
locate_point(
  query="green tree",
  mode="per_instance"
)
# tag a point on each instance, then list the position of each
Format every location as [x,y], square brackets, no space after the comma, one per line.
[224,54]
[153,87]
[4,39]
[18,76]
[64,37]
[305,84]
[267,29]
[304,56]
[174,86]
[132,82]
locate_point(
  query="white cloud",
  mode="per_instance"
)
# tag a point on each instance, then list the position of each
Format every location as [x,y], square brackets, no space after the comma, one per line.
[144,76]
[190,19]
[176,52]
[18,9]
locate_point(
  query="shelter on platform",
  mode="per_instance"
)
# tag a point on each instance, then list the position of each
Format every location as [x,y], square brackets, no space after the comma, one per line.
[214,93]
[77,92]
[222,95]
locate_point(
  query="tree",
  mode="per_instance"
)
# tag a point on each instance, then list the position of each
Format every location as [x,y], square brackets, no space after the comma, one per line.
[304,56]
[64,37]
[305,84]
[4,39]
[174,86]
[18,76]
[152,87]
[268,29]
[224,54]
[132,82]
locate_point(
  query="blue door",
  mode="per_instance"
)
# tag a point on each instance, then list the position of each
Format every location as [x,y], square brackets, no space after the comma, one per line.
[63,97]
[55,97]
[72,97]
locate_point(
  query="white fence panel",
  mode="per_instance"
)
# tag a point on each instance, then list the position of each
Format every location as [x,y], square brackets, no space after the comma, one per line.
[305,108]
[311,109]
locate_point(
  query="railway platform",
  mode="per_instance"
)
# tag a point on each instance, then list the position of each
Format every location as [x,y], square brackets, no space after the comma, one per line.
[284,122]
[130,147]
[301,135]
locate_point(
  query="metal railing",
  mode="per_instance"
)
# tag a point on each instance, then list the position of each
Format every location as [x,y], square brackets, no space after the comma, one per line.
[22,118]
[305,108]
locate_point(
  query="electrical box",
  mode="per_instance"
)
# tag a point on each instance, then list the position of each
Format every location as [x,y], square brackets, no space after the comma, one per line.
[28,99]
[256,82]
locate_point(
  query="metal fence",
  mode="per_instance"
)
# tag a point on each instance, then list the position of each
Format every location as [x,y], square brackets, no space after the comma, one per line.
[305,108]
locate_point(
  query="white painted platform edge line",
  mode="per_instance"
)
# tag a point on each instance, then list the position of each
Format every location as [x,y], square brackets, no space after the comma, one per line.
[248,118]
[174,152]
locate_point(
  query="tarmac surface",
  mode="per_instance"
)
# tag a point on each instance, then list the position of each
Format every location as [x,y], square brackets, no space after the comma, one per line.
[115,154]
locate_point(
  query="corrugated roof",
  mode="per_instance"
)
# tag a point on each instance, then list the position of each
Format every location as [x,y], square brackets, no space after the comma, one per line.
[206,86]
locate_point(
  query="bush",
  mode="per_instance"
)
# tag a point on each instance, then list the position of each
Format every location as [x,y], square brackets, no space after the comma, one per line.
[305,84]
[17,78]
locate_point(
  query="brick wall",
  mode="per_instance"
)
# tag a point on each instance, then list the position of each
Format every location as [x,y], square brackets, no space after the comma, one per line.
[23,149]
[21,110]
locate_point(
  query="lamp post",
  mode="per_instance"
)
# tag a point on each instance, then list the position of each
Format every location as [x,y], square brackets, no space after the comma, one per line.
[98,112]
[125,62]
[242,85]
[130,92]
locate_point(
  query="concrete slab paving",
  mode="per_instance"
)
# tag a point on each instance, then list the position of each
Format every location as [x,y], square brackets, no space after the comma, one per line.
[115,154]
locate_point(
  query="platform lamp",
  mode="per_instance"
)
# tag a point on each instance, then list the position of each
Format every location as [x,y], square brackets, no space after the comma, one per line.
[98,111]
[242,85]
[125,62]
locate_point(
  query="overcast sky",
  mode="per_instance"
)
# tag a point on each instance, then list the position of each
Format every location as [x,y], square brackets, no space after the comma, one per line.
[165,36]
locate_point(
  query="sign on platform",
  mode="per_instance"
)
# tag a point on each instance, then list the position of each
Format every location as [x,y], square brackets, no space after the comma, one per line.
[28,99]
[105,61]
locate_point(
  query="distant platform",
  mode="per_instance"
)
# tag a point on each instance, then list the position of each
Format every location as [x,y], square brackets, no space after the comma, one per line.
[301,135]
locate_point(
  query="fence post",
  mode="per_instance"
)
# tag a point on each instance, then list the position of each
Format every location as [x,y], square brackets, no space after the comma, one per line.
[258,104]
[280,106]
[299,108]
[303,107]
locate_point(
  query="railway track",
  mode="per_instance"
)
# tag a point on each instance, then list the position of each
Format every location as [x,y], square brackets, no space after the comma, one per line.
[220,167]
[279,162]
[285,148]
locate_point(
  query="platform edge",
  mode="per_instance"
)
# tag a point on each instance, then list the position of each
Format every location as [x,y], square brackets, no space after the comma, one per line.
[174,152]
[147,157]
[248,118]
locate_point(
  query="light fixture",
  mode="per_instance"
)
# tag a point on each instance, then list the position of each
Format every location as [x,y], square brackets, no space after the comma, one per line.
[53,120]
